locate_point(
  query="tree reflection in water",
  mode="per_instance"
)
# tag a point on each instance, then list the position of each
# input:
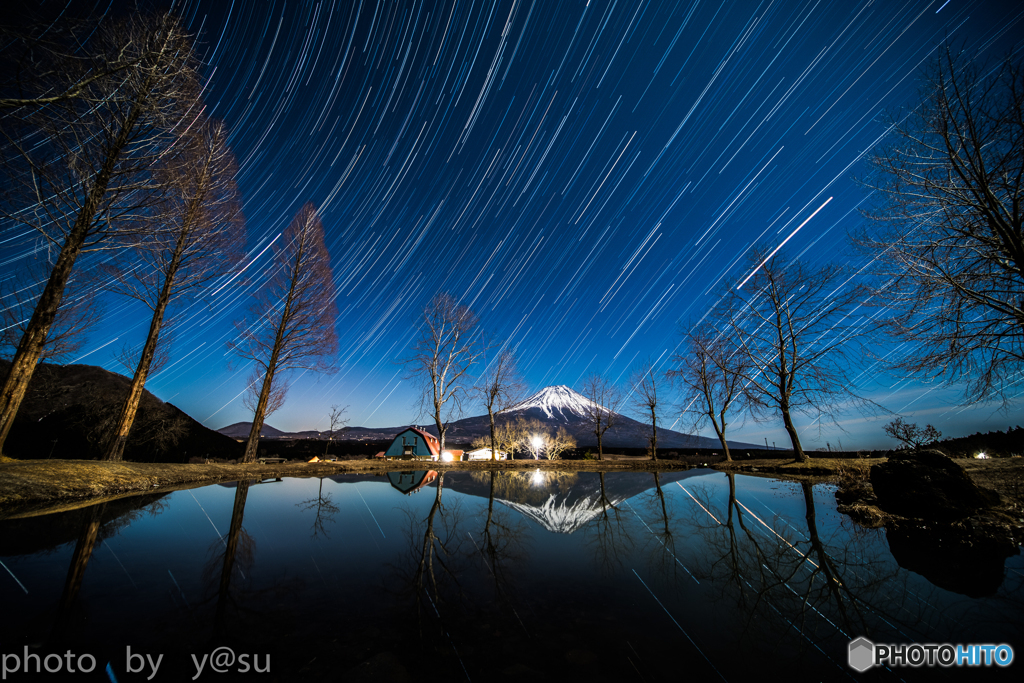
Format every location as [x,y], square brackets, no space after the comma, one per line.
[608,535]
[237,538]
[503,544]
[576,575]
[783,579]
[76,571]
[324,510]
[241,611]
[97,523]
[428,573]
[662,554]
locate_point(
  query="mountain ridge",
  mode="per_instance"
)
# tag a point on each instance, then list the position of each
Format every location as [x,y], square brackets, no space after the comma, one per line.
[554,406]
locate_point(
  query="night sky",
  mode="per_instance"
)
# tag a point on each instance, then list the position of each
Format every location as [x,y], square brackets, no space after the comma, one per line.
[584,176]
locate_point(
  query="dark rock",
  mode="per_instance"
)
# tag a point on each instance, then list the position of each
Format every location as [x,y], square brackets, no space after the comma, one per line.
[969,561]
[928,485]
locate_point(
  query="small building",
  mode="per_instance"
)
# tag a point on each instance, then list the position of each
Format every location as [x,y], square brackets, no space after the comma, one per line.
[483,454]
[413,444]
[411,482]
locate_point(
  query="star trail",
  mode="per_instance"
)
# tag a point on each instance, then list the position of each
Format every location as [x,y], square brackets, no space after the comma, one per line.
[586,176]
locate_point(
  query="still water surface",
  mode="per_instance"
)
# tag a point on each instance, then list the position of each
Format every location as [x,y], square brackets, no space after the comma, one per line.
[479,576]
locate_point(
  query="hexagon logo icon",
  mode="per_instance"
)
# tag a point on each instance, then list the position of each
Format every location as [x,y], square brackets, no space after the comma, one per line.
[861,656]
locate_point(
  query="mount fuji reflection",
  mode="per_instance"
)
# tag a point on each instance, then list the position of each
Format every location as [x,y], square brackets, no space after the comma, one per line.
[465,575]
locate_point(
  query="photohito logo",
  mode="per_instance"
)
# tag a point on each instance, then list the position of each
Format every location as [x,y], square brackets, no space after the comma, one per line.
[863,654]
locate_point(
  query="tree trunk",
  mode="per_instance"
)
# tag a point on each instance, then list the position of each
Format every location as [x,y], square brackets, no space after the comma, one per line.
[268,379]
[793,436]
[721,437]
[494,454]
[600,453]
[654,436]
[115,449]
[440,434]
[31,345]
[231,548]
[252,444]
[661,498]
[490,505]
[80,558]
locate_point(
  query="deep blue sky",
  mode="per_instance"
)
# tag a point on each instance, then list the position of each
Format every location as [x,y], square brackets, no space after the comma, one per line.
[583,175]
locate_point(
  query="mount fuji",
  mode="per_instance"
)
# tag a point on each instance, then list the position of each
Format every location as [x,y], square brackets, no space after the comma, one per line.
[554,406]
[560,406]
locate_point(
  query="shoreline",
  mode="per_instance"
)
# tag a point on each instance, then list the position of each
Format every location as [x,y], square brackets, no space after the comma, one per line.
[29,488]
[35,487]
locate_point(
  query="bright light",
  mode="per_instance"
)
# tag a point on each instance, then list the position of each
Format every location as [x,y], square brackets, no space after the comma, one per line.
[446,456]
[538,478]
[537,442]
[981,456]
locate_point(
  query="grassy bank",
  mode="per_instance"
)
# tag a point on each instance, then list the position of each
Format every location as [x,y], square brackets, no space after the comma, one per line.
[31,487]
[815,467]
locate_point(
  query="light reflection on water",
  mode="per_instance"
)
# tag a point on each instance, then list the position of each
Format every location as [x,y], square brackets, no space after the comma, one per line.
[471,574]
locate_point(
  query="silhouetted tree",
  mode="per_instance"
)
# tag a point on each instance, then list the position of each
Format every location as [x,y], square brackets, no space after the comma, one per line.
[447,347]
[500,388]
[599,410]
[910,435]
[323,509]
[950,253]
[198,236]
[337,422]
[43,62]
[291,323]
[646,400]
[797,334]
[78,167]
[711,375]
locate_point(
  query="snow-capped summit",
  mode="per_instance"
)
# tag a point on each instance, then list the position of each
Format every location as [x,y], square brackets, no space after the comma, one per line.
[560,399]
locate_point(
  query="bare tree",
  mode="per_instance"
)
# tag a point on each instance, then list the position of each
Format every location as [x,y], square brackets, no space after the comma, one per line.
[645,400]
[337,420]
[79,167]
[324,510]
[447,347]
[600,409]
[558,443]
[951,247]
[78,312]
[500,388]
[291,323]
[910,435]
[711,375]
[797,332]
[507,436]
[43,63]
[254,389]
[199,236]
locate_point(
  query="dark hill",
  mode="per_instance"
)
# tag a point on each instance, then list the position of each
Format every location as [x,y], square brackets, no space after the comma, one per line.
[240,430]
[69,410]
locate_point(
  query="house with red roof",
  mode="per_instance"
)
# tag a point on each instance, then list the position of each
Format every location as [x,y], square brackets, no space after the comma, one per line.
[413,443]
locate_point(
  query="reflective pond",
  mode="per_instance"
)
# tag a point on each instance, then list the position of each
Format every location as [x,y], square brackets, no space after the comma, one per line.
[480,576]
